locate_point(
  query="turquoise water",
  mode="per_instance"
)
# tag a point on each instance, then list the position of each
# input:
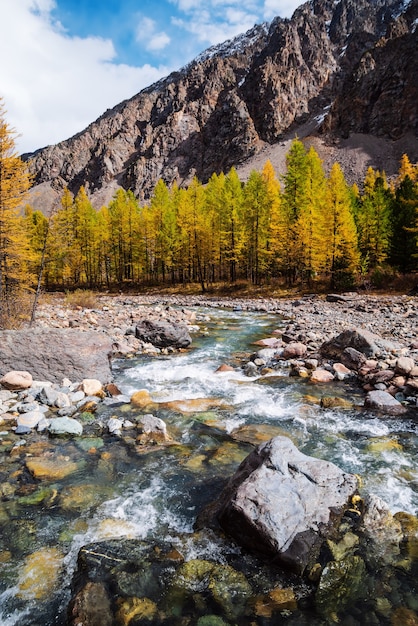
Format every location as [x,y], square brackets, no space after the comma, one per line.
[159,494]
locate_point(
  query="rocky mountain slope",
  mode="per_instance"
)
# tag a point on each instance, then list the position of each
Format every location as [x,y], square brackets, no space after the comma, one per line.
[341,73]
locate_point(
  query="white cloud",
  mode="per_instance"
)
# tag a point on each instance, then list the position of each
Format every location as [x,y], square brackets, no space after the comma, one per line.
[214,21]
[54,85]
[147,35]
[283,8]
[219,21]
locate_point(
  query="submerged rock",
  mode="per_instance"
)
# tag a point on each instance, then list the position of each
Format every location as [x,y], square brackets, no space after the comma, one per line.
[228,588]
[40,574]
[47,468]
[91,606]
[283,503]
[60,426]
[134,610]
[341,584]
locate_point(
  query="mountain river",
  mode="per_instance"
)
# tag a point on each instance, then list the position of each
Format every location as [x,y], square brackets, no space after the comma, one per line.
[118,492]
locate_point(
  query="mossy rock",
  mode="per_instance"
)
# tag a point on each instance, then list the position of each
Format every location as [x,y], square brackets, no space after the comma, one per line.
[86,416]
[335,402]
[37,497]
[409,525]
[227,454]
[404,617]
[199,581]
[211,620]
[276,600]
[345,547]
[89,443]
[341,584]
[135,610]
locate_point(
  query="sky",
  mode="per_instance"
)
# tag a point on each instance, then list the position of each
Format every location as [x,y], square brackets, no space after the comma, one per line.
[65,62]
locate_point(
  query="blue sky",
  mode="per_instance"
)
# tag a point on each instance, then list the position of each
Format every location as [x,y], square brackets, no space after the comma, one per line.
[70,60]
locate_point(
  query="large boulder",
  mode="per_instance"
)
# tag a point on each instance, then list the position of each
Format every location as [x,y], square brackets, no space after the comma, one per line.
[163,334]
[284,504]
[56,353]
[361,340]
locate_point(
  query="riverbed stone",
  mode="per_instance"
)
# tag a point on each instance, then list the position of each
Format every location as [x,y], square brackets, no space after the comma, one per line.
[115,426]
[141,398]
[284,504]
[215,579]
[16,379]
[342,583]
[134,610]
[224,368]
[294,350]
[91,607]
[334,402]
[40,573]
[153,431]
[382,401]
[321,375]
[383,531]
[404,365]
[65,426]
[276,600]
[193,405]
[30,419]
[360,339]
[47,468]
[92,387]
[162,334]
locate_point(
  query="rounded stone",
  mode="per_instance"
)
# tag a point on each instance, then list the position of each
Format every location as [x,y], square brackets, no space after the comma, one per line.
[16,380]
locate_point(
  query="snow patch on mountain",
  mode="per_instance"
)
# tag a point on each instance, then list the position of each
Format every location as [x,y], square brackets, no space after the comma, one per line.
[231,47]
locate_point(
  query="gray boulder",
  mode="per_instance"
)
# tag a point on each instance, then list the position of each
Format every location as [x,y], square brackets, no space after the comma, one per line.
[361,340]
[163,334]
[284,504]
[54,353]
[384,402]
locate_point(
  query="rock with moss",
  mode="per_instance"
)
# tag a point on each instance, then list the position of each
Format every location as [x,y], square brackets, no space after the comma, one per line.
[213,582]
[382,531]
[342,584]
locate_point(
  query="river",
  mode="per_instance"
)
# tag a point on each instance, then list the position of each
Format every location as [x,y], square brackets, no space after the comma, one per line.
[118,492]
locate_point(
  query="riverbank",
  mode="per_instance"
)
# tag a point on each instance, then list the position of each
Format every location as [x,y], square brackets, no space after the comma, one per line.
[310,320]
[390,316]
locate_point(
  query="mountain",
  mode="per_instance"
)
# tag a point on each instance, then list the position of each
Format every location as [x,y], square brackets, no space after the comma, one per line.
[343,74]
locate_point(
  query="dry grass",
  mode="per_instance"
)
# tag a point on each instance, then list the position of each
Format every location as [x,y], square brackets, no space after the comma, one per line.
[81,298]
[16,311]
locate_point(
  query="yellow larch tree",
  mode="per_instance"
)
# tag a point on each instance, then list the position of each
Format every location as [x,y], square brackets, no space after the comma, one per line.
[15,182]
[340,240]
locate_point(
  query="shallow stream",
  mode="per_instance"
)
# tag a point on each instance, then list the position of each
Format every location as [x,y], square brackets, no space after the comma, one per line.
[114,491]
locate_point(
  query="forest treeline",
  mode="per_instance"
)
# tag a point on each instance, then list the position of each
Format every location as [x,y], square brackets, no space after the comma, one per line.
[304,227]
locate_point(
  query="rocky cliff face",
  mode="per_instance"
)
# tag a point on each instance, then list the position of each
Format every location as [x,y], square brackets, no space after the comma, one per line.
[343,65]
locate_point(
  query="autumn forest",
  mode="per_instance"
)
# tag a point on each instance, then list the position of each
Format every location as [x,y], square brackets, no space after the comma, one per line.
[306,227]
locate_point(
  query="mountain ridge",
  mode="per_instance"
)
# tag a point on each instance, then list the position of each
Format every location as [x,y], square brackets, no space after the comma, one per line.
[335,71]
